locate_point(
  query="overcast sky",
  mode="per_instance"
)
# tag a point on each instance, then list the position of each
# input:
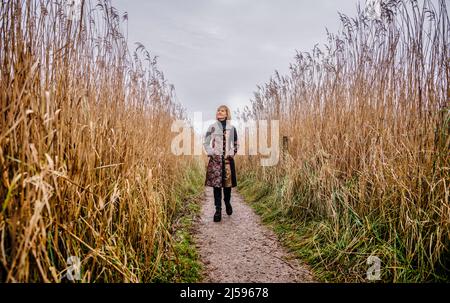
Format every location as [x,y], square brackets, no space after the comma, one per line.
[216,51]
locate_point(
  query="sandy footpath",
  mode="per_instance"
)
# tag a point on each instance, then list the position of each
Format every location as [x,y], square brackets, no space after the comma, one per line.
[240,248]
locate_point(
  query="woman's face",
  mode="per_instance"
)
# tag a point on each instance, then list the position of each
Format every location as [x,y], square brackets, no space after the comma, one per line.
[221,114]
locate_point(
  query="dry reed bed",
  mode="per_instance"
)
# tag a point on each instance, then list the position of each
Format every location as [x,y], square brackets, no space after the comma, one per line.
[84,147]
[368,122]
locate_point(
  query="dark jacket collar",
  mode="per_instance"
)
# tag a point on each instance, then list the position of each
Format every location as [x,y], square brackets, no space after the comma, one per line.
[223,124]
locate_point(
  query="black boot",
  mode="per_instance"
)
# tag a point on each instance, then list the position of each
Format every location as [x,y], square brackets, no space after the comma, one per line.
[229,209]
[218,215]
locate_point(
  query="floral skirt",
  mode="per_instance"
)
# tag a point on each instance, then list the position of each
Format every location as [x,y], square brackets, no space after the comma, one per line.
[219,176]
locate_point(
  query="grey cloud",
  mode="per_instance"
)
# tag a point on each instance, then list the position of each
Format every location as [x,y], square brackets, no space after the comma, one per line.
[217,51]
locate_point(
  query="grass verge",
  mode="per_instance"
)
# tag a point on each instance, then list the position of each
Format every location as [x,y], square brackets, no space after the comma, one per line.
[337,251]
[184,266]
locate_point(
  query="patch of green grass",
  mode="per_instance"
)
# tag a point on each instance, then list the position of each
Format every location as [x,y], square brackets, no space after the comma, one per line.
[336,250]
[184,266]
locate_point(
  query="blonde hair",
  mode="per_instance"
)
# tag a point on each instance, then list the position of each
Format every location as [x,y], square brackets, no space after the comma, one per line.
[227,110]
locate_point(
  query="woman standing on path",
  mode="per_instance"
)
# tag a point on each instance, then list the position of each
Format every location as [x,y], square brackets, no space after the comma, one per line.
[221,145]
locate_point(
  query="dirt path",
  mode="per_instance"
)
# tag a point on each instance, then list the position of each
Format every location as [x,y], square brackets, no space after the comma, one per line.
[240,248]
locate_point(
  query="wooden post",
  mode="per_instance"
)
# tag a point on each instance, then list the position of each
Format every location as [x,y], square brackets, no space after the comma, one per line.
[285,148]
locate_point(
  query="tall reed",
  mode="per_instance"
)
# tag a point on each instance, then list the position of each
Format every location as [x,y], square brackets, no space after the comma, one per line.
[86,168]
[368,121]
